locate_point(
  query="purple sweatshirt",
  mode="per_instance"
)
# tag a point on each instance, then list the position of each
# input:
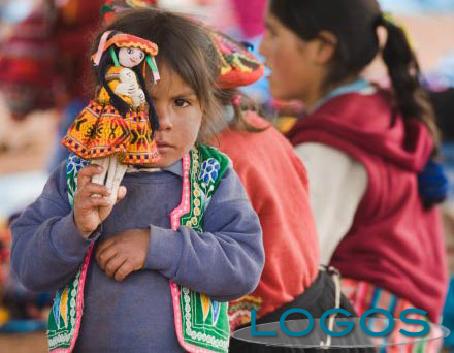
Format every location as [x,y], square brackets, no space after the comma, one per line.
[136,316]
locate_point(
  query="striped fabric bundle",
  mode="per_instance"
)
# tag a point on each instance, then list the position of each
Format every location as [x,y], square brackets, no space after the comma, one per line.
[365,296]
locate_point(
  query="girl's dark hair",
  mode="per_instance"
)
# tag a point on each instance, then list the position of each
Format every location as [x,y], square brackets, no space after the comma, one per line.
[354,23]
[186,48]
[240,104]
[116,100]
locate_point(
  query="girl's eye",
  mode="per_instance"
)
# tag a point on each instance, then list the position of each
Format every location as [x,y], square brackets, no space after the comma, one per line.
[129,51]
[181,103]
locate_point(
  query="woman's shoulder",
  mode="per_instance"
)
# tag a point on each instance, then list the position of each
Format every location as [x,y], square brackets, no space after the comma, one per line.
[261,156]
[256,133]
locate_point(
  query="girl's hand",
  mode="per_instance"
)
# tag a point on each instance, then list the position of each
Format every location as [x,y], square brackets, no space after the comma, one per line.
[89,200]
[123,253]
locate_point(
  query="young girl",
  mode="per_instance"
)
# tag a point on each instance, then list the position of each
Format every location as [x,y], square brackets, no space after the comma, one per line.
[186,227]
[363,148]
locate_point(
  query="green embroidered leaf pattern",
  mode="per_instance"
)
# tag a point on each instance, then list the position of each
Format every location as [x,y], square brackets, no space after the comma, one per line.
[205,321]
[62,317]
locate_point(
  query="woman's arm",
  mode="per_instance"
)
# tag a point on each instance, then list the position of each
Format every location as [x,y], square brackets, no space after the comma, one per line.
[337,184]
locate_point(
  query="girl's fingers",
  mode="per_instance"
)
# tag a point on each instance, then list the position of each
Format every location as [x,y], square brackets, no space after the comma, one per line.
[123,271]
[121,193]
[91,197]
[116,181]
[95,189]
[104,256]
[104,246]
[85,174]
[99,178]
[113,265]
[98,202]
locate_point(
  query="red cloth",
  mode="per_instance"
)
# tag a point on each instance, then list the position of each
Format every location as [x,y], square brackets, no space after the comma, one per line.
[249,15]
[394,243]
[75,30]
[47,54]
[276,183]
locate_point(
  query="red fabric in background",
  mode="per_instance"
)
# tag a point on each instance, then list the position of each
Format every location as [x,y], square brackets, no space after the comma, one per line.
[394,242]
[250,16]
[276,183]
[50,50]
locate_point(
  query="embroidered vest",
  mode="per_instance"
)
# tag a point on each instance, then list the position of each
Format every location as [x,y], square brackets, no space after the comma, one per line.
[201,324]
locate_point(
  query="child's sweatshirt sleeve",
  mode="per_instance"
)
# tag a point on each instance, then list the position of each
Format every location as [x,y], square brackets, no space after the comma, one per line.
[225,261]
[47,248]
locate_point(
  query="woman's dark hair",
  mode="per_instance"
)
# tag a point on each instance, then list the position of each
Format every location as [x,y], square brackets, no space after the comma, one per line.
[354,23]
[116,100]
[186,48]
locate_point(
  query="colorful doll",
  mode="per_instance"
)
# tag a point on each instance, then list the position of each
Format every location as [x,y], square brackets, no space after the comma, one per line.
[114,129]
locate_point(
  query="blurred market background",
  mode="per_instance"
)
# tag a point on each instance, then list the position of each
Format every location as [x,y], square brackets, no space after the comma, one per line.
[51,38]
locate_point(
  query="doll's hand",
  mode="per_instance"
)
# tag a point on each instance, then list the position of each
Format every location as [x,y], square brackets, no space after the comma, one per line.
[88,199]
[141,96]
[127,76]
[123,253]
[126,89]
[128,83]
[138,98]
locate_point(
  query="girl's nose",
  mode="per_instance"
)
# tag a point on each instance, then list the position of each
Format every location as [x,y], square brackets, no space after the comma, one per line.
[164,118]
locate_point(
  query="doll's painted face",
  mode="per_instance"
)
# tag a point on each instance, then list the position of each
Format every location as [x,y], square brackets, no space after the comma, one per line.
[130,57]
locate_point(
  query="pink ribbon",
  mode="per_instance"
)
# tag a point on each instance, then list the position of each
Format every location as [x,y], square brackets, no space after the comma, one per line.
[102,42]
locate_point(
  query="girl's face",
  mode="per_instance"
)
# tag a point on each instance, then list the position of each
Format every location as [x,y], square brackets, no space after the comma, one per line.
[180,116]
[130,57]
[296,72]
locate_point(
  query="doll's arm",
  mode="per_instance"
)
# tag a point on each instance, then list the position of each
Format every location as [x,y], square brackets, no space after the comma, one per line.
[130,87]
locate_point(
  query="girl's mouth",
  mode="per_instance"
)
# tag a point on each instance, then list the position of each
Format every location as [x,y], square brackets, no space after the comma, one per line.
[163,145]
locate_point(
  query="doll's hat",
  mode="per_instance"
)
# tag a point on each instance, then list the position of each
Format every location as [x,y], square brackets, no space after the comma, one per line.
[124,40]
[239,67]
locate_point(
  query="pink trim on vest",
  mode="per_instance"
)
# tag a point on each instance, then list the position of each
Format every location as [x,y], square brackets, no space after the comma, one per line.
[183,208]
[79,302]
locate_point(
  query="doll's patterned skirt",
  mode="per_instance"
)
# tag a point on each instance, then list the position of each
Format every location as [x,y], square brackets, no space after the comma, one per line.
[100,131]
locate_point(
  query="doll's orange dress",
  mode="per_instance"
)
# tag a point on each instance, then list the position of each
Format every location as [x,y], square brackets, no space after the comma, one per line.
[100,130]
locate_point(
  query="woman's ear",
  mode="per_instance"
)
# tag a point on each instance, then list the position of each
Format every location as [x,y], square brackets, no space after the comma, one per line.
[326,47]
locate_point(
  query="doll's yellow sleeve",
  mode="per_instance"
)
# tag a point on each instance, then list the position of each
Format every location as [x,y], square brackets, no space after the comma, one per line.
[113,81]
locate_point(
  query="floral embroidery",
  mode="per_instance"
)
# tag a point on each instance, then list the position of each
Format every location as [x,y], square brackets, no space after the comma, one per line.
[209,171]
